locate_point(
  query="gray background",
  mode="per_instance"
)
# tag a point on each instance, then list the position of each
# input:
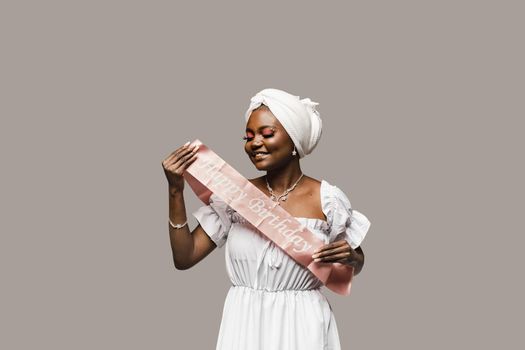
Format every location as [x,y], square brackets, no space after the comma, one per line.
[422,104]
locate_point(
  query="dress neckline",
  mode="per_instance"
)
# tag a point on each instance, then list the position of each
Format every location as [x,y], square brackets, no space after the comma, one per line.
[321,194]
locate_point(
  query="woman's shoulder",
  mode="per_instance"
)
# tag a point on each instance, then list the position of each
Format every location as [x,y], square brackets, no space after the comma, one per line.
[333,192]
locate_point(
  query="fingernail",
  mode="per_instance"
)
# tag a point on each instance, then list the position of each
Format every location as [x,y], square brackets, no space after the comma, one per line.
[187,143]
[196,147]
[317,260]
[314,256]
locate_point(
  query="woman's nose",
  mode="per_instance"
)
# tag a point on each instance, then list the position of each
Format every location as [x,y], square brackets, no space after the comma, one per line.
[257,140]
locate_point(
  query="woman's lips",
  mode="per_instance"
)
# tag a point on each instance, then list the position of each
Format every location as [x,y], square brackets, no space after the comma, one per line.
[260,156]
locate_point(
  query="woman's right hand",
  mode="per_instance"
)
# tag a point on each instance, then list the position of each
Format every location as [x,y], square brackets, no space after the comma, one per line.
[176,163]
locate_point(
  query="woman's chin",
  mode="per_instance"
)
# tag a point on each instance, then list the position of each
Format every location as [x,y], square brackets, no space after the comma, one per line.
[259,166]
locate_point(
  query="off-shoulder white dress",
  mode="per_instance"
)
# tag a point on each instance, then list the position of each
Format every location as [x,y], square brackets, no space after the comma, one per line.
[274,303]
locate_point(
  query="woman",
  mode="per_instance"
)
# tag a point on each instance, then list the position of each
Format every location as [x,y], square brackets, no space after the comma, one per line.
[274,302]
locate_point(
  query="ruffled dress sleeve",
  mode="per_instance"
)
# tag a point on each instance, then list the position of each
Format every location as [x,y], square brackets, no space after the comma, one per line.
[345,222]
[215,220]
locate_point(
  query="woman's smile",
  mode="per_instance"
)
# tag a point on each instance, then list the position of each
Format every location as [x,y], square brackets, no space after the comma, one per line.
[260,155]
[268,145]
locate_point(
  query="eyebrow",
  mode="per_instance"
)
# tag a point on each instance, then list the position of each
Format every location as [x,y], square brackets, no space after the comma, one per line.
[262,127]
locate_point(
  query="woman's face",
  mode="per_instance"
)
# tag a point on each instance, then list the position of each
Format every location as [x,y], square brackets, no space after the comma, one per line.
[264,133]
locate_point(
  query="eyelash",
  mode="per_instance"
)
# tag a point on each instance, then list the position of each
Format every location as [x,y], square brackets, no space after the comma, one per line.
[246,138]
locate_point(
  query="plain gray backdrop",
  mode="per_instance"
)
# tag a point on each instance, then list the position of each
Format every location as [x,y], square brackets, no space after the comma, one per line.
[422,106]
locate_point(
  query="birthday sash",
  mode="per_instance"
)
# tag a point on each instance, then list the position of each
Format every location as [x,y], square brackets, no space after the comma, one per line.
[209,174]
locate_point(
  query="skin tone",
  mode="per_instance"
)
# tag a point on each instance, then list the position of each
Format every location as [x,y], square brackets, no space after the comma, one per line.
[264,133]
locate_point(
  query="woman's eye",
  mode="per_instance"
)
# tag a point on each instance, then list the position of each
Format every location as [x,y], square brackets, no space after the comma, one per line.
[265,133]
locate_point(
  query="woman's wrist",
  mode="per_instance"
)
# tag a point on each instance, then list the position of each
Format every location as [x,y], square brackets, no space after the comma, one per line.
[174,191]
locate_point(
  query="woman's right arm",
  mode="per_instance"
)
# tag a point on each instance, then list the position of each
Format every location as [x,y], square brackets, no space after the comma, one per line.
[188,248]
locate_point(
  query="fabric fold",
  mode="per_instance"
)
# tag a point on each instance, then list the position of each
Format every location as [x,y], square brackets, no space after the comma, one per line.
[347,223]
[215,220]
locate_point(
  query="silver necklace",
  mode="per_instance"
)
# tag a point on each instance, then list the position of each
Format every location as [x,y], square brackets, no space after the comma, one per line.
[283,196]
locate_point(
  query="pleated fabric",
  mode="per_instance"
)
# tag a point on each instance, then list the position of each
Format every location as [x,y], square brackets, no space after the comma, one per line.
[275,303]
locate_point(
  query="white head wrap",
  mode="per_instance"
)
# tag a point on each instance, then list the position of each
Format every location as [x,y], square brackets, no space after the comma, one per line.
[298,117]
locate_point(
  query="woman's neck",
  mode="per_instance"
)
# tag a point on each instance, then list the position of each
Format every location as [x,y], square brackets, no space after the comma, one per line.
[283,178]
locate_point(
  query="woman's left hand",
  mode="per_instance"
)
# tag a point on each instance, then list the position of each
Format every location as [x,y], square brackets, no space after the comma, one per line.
[341,252]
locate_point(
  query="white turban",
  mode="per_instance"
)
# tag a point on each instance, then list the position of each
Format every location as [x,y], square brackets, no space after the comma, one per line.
[298,117]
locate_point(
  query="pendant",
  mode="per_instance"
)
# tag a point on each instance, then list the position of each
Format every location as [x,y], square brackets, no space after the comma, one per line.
[284,198]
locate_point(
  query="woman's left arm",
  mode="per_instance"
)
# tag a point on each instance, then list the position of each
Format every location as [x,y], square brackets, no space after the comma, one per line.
[341,252]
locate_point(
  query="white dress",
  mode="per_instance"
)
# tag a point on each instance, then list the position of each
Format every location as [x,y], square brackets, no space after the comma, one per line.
[274,303]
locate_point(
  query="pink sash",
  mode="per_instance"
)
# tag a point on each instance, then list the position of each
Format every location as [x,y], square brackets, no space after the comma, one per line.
[210,174]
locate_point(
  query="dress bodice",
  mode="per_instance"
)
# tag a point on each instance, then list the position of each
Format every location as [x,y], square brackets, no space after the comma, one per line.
[252,260]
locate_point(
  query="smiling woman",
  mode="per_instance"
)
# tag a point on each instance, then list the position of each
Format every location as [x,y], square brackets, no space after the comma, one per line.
[274,302]
[265,137]
[266,131]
